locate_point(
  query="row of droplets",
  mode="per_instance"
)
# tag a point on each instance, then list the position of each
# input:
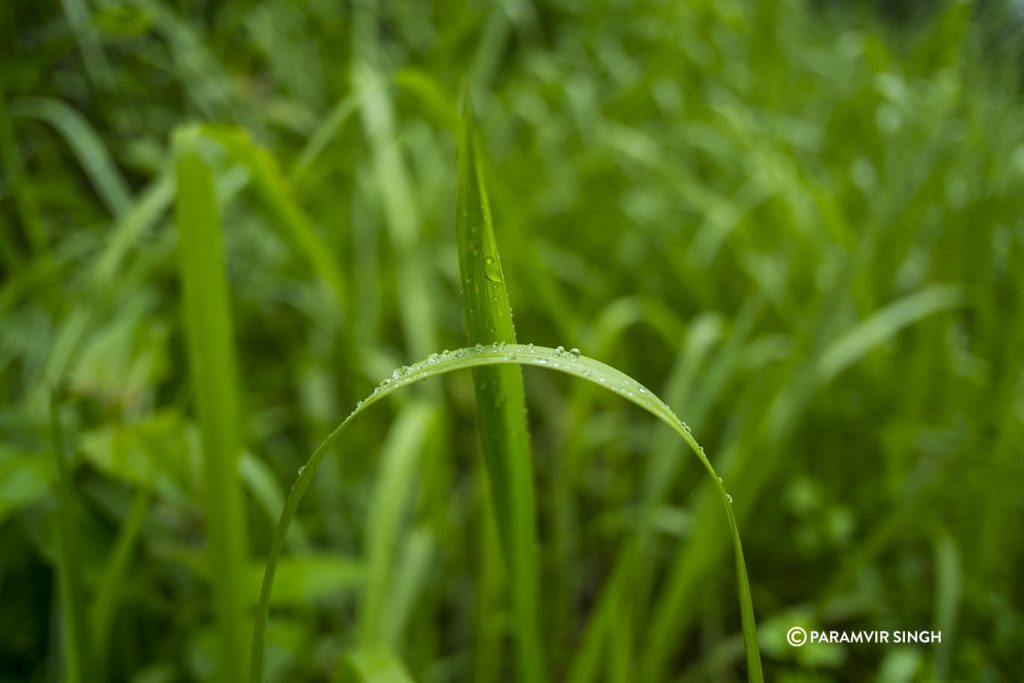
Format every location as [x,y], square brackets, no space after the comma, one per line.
[405,374]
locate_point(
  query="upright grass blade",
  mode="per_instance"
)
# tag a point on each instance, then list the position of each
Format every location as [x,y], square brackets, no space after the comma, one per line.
[78,667]
[110,588]
[495,355]
[500,403]
[322,137]
[394,182]
[388,507]
[376,666]
[25,201]
[214,385]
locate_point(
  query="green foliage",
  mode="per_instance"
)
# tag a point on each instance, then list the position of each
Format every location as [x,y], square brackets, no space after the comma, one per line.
[209,328]
[500,402]
[799,224]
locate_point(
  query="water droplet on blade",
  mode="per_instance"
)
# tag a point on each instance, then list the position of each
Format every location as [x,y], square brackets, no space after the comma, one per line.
[491,270]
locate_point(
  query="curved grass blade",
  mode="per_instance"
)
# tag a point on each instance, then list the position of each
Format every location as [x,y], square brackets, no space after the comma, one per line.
[883,325]
[500,403]
[694,561]
[84,142]
[272,184]
[214,384]
[504,354]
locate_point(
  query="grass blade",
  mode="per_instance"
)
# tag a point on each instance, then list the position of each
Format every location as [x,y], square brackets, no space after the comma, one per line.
[112,582]
[883,325]
[569,363]
[214,385]
[77,649]
[377,666]
[388,508]
[395,184]
[322,137]
[25,201]
[272,184]
[87,145]
[500,403]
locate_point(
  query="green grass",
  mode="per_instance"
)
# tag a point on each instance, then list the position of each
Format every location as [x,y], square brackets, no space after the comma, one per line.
[501,354]
[77,650]
[500,402]
[797,224]
[208,324]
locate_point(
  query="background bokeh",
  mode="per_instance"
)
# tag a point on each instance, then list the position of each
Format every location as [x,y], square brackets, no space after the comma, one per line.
[800,223]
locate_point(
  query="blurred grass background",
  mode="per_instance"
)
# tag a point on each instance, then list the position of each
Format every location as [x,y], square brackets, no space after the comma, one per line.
[799,223]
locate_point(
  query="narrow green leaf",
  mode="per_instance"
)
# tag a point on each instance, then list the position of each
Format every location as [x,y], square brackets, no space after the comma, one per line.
[272,184]
[144,212]
[78,666]
[500,402]
[499,354]
[308,579]
[27,209]
[87,145]
[112,582]
[214,385]
[883,325]
[388,507]
[394,182]
[322,137]
[378,665]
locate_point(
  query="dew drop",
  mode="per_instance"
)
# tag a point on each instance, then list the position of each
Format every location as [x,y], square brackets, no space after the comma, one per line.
[433,358]
[559,350]
[728,498]
[574,352]
[302,470]
[491,270]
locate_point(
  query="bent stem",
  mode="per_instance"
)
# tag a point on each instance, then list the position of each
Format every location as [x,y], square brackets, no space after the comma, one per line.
[570,363]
